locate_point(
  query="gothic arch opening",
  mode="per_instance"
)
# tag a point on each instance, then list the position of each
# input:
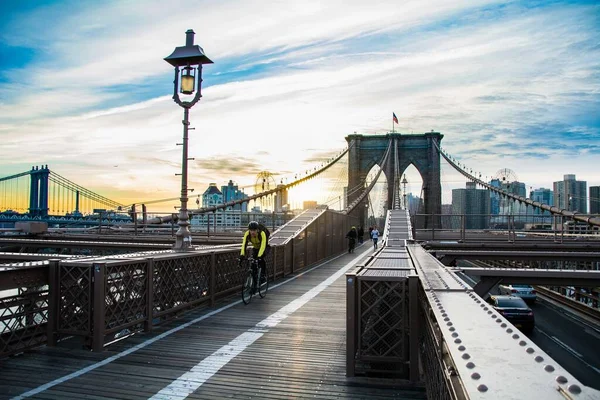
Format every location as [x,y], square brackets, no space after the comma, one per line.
[376,204]
[411,189]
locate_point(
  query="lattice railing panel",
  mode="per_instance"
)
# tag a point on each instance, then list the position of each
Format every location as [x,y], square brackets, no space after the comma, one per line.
[180,281]
[229,273]
[125,294]
[435,381]
[74,308]
[383,313]
[23,320]
[278,260]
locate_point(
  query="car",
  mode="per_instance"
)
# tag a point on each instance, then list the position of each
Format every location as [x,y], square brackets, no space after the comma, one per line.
[526,292]
[515,310]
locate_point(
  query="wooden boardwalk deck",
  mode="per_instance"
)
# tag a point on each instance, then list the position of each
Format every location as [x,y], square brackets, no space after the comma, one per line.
[291,344]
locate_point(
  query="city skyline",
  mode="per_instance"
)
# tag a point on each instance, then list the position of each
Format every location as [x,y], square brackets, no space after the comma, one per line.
[508,84]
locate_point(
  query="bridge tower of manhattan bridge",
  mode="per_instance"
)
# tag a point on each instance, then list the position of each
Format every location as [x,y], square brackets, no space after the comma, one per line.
[419,150]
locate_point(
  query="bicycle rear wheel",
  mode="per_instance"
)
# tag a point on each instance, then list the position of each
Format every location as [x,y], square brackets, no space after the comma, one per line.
[247,291]
[263,283]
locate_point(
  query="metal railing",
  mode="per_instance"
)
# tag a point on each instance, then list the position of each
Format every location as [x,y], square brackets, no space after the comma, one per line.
[104,298]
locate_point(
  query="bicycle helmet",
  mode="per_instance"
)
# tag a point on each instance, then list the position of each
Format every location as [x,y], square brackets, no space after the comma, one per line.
[253,225]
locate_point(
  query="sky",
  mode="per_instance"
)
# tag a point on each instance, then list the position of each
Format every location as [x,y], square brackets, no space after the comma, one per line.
[84,88]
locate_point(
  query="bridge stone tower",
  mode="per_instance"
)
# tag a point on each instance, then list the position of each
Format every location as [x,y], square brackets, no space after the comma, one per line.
[419,150]
[38,192]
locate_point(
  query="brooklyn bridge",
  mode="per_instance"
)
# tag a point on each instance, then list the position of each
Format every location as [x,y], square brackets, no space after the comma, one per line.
[97,302]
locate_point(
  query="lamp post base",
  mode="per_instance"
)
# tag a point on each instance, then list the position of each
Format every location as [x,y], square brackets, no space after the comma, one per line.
[183,236]
[183,243]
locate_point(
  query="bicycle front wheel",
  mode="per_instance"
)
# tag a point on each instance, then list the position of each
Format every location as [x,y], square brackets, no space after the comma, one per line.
[263,283]
[247,291]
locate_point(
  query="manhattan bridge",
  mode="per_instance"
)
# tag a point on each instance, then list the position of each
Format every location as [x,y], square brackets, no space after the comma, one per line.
[92,291]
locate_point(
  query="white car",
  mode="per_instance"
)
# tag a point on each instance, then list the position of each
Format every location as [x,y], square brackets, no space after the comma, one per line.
[526,292]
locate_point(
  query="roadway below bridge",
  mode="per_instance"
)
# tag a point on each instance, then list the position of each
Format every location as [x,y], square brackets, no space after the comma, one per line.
[571,341]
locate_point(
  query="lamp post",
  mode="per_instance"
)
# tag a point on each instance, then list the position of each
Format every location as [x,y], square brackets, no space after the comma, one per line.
[404,182]
[191,57]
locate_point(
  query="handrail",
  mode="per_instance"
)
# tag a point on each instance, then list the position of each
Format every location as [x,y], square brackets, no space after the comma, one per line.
[592,220]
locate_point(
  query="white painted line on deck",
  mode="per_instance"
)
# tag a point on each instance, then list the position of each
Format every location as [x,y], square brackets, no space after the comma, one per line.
[189,382]
[148,342]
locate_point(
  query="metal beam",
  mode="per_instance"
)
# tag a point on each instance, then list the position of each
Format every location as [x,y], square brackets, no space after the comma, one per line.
[515,255]
[529,276]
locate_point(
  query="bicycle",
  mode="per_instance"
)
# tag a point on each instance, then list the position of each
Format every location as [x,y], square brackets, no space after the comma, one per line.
[254,275]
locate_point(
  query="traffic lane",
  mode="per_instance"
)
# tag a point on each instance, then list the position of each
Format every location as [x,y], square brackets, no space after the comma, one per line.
[571,343]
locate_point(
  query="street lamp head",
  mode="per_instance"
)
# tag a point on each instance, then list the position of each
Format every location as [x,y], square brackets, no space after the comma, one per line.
[190,57]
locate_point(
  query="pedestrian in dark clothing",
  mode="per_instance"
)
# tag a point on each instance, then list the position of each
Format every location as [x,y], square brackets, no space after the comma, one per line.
[351,236]
[360,233]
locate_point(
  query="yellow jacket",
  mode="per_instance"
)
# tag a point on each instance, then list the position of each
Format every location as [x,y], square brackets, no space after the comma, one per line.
[258,242]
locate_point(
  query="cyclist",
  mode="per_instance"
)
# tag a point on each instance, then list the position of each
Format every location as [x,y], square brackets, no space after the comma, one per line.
[260,246]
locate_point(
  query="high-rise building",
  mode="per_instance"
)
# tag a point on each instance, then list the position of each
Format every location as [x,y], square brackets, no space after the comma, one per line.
[594,200]
[231,192]
[501,205]
[544,196]
[474,204]
[571,194]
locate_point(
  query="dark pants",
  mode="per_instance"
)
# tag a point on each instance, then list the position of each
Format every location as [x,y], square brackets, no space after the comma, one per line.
[261,260]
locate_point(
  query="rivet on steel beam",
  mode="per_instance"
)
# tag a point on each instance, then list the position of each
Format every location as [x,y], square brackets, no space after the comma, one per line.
[470,365]
[452,329]
[539,359]
[498,320]
[509,330]
[455,334]
[522,343]
[561,379]
[503,325]
[530,350]
[461,348]
[575,389]
[466,356]
[457,341]
[482,388]
[515,336]
[548,368]
[475,375]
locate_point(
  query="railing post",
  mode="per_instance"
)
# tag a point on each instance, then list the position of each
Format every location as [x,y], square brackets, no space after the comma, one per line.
[99,305]
[351,330]
[283,262]
[432,226]
[306,247]
[413,287]
[53,302]
[213,277]
[274,262]
[293,253]
[149,294]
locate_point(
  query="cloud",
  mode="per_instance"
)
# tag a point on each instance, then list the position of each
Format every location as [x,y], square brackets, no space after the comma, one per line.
[505,83]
